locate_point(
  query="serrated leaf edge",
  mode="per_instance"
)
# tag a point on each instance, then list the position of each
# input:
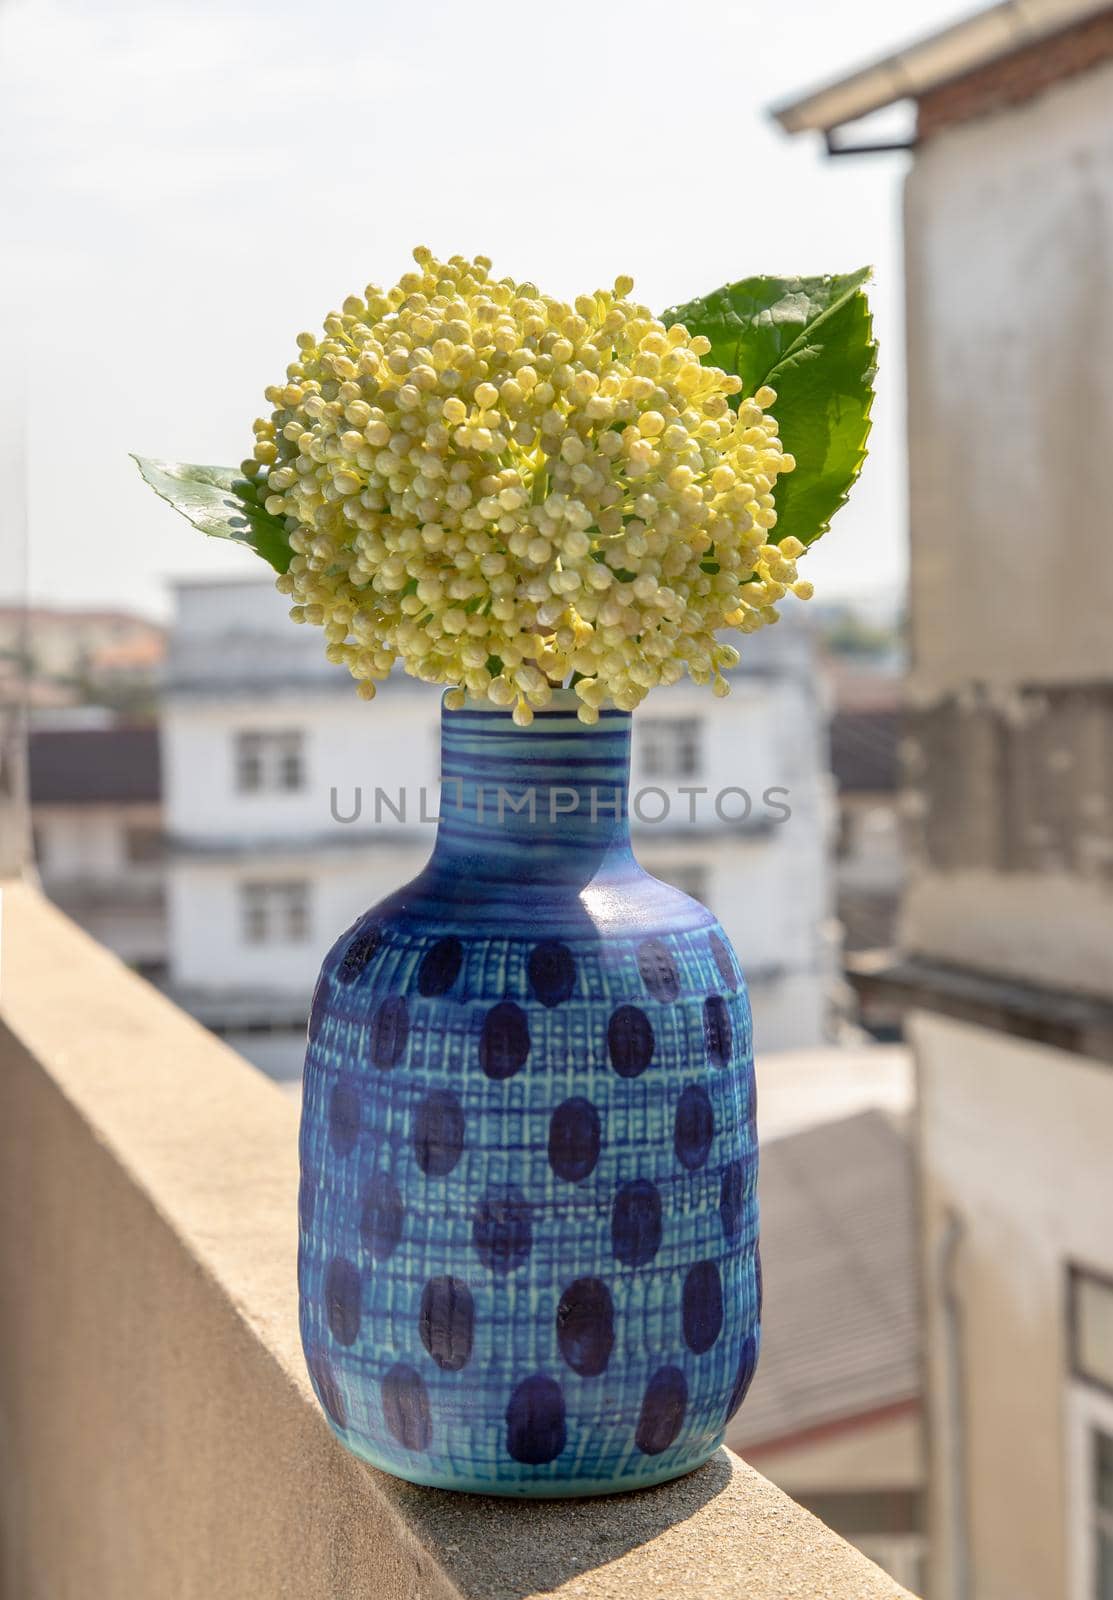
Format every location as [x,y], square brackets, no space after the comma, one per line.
[855,286]
[870,374]
[864,275]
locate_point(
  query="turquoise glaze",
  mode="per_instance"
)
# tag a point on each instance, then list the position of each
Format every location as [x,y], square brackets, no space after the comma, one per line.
[528,1253]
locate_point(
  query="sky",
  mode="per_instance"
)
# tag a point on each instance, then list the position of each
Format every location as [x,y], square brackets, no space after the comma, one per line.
[184,188]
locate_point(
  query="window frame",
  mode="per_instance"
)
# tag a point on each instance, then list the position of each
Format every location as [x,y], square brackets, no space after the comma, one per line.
[268,760]
[671,747]
[1089,1413]
[275,912]
[1077,1277]
[247,752]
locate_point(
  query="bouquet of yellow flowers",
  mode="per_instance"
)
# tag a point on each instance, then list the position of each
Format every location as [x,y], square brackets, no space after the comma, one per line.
[507,493]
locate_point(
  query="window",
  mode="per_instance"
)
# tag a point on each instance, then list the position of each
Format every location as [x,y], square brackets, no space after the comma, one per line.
[270,762]
[1091,1327]
[1102,1446]
[1090,1434]
[669,747]
[275,913]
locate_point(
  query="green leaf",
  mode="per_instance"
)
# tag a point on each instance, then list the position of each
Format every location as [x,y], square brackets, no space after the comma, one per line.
[222,503]
[810,339]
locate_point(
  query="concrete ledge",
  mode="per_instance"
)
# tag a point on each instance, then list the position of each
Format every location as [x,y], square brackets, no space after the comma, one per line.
[158,1436]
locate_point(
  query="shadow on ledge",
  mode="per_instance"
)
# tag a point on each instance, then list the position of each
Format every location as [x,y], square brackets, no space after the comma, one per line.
[516,1548]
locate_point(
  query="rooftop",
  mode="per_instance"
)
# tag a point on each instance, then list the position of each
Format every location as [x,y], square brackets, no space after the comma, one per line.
[69,617]
[974,42]
[94,766]
[838,1254]
[798,1089]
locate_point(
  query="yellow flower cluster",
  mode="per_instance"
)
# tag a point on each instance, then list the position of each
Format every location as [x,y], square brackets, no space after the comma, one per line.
[507,493]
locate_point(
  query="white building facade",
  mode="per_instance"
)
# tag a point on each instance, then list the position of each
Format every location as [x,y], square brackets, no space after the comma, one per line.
[97,831]
[292,806]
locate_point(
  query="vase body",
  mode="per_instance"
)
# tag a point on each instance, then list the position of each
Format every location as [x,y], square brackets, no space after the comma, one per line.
[528,1256]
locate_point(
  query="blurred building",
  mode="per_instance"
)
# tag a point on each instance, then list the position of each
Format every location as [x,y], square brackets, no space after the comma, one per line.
[96,817]
[866,730]
[51,659]
[865,734]
[59,644]
[1007,932]
[864,762]
[292,806]
[862,668]
[833,1416]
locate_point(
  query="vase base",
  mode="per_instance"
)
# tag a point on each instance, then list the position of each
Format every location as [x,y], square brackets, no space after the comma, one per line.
[539,1488]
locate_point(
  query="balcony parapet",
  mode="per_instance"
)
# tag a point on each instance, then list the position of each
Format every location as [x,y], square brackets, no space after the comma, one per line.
[158,1436]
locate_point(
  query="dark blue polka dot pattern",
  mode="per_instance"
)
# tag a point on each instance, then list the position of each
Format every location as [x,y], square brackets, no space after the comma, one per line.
[657,966]
[342,1297]
[495,1139]
[663,1410]
[535,1421]
[358,952]
[504,1042]
[717,1029]
[585,1326]
[575,1136]
[447,1322]
[744,1373]
[636,1222]
[326,1388]
[440,967]
[439,1132]
[720,950]
[703,1306]
[694,1126]
[552,972]
[381,1218]
[630,1041]
[732,1199]
[527,1215]
[343,1118]
[503,1231]
[390,1031]
[406,1407]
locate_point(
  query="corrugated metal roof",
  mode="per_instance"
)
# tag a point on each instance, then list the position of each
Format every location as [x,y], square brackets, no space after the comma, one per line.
[936,59]
[94,766]
[838,1250]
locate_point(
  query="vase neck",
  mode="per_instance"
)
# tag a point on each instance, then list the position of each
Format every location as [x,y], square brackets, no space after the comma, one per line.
[549,800]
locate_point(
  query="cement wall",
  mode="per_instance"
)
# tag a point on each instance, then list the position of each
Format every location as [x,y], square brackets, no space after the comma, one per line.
[1010,329]
[1009,222]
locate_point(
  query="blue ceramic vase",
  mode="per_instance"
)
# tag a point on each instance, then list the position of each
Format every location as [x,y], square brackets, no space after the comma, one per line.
[528,1226]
